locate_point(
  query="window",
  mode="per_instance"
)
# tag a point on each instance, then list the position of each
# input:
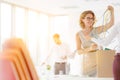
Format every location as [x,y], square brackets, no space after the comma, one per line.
[20,22]
[43,32]
[32,34]
[5,21]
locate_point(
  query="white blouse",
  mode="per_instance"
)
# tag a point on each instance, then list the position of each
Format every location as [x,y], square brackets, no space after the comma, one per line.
[59,51]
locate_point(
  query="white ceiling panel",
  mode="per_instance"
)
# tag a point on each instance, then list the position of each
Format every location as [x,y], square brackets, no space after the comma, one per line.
[65,6]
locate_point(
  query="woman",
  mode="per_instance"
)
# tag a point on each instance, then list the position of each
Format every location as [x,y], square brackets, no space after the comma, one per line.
[59,55]
[84,43]
[83,37]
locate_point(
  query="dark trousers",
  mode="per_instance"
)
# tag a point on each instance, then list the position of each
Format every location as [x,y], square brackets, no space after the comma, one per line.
[116,67]
[60,68]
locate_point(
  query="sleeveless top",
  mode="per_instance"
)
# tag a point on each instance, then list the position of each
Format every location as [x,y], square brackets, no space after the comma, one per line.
[87,43]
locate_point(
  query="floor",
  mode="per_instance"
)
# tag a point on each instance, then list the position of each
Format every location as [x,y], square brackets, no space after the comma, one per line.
[70,77]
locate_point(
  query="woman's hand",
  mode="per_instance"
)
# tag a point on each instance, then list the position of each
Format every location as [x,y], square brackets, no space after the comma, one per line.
[43,63]
[93,47]
[63,57]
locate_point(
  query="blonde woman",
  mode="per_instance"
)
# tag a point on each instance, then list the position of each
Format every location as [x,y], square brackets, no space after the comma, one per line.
[84,44]
[83,37]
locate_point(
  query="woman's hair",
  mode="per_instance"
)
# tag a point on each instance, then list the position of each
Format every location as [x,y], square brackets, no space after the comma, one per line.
[82,16]
[56,35]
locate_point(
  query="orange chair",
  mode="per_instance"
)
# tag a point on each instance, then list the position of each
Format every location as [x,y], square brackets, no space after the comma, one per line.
[8,70]
[7,57]
[20,58]
[18,44]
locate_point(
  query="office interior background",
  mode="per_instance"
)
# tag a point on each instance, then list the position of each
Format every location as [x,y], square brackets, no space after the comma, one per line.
[35,21]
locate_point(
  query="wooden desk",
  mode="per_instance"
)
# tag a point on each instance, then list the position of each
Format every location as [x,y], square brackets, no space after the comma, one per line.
[105,63]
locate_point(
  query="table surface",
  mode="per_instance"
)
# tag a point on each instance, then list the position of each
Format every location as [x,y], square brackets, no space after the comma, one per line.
[70,77]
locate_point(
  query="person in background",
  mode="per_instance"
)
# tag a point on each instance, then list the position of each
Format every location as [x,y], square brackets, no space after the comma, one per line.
[59,55]
[114,33]
[83,37]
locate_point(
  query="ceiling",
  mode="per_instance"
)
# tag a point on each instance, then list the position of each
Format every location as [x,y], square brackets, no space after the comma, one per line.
[72,6]
[65,6]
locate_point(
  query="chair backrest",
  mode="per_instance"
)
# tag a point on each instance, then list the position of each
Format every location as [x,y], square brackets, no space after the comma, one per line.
[18,44]
[8,69]
[8,54]
[18,55]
